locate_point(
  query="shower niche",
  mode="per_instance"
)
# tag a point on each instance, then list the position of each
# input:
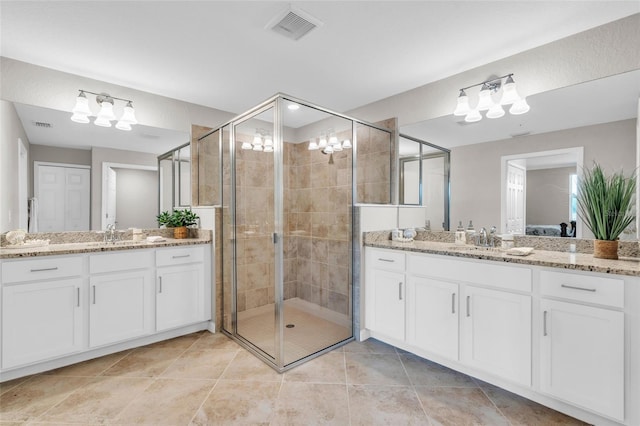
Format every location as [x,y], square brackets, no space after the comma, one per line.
[291,173]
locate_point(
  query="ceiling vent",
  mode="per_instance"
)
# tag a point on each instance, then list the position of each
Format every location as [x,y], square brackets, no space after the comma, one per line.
[293,23]
[42,124]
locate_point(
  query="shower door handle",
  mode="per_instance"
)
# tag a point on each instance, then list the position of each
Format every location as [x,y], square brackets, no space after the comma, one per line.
[275,238]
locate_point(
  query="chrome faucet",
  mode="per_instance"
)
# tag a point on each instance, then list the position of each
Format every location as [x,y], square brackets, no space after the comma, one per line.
[482,240]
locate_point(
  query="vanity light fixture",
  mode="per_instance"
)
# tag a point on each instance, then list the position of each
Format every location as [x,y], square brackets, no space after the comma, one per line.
[486,102]
[328,143]
[82,112]
[262,142]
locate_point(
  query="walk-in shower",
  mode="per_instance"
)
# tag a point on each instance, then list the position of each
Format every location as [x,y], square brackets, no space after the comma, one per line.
[287,224]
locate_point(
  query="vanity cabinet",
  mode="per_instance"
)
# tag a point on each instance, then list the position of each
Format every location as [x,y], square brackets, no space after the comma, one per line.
[496,333]
[582,345]
[180,287]
[41,309]
[121,296]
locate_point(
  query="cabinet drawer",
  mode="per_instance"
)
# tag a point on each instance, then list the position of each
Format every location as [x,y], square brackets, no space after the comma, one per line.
[41,269]
[389,260]
[583,288]
[178,256]
[120,261]
[500,276]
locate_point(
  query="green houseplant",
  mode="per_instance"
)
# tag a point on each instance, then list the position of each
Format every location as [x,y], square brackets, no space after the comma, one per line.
[178,220]
[605,204]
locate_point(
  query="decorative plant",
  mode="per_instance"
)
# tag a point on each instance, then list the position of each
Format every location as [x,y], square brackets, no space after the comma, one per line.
[177,218]
[605,204]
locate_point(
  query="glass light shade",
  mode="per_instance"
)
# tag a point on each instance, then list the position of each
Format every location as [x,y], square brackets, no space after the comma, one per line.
[106,112]
[257,147]
[463,107]
[519,107]
[328,150]
[268,148]
[123,126]
[337,147]
[346,144]
[333,140]
[484,98]
[80,118]
[473,116]
[496,111]
[246,145]
[82,106]
[268,141]
[322,142]
[102,122]
[313,145]
[509,93]
[257,139]
[129,115]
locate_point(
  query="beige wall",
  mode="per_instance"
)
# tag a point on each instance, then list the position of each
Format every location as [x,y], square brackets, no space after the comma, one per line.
[107,155]
[548,196]
[10,131]
[475,169]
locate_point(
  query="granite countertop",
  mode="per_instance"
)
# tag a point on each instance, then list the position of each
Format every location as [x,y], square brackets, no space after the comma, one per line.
[96,247]
[554,259]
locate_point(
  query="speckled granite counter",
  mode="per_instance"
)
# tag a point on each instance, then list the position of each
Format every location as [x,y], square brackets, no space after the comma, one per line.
[84,244]
[554,259]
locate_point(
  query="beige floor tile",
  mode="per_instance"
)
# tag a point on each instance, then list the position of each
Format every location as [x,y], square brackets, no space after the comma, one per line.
[97,402]
[428,373]
[239,403]
[215,341]
[375,369]
[245,366]
[200,364]
[312,403]
[10,384]
[459,406]
[327,368]
[167,402]
[33,397]
[523,412]
[385,405]
[144,362]
[371,346]
[90,368]
[182,342]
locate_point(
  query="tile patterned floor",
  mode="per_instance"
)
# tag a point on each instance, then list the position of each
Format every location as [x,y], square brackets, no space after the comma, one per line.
[207,379]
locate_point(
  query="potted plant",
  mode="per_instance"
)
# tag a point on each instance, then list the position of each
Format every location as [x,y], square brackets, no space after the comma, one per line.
[178,220]
[605,204]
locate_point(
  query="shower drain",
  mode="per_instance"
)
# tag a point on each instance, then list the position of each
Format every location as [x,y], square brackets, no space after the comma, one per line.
[290,325]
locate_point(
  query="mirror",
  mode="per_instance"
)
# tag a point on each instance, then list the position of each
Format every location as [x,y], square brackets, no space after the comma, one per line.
[600,116]
[53,139]
[424,180]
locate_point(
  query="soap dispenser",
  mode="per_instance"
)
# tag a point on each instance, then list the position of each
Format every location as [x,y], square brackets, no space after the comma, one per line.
[461,236]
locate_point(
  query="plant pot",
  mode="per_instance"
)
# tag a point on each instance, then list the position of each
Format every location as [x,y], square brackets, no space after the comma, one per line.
[180,232]
[605,249]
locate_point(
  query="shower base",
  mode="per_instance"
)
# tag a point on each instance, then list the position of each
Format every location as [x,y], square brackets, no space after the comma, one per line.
[311,328]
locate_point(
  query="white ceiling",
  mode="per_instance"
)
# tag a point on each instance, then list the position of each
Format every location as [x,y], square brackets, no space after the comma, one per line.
[220,55]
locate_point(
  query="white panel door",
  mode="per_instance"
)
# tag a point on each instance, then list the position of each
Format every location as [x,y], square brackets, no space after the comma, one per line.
[50,192]
[179,296]
[516,199]
[388,303]
[111,218]
[582,356]
[432,316]
[41,321]
[496,333]
[77,201]
[119,307]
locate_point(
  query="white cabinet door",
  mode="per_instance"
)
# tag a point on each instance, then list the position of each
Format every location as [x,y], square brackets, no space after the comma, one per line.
[41,321]
[432,316]
[387,303]
[179,296]
[496,333]
[582,356]
[120,307]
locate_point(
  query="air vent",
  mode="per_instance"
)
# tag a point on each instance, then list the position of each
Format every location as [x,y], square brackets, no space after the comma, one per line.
[293,23]
[42,124]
